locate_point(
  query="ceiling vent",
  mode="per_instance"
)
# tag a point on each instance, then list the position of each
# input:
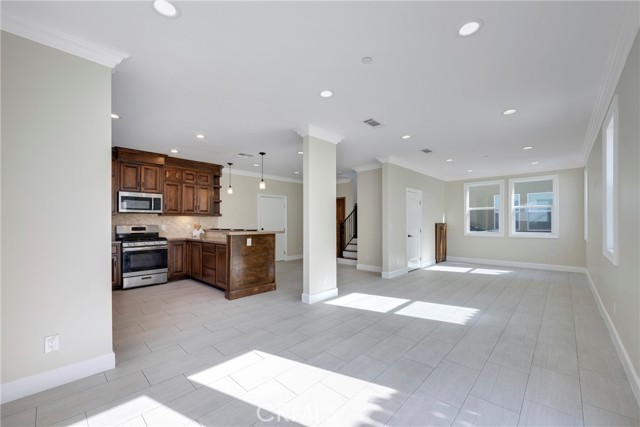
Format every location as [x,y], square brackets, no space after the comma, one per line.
[244,155]
[372,122]
[426,151]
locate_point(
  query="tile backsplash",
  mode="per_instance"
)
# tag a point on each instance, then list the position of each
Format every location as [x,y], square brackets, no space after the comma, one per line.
[175,226]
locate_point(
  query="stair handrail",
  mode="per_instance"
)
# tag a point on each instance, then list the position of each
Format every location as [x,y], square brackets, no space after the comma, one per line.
[349,228]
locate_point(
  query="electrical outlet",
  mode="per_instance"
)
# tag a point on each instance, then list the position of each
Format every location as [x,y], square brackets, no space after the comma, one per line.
[163,227]
[51,343]
[248,241]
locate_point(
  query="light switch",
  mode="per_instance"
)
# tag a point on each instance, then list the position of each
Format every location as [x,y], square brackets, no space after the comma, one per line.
[248,241]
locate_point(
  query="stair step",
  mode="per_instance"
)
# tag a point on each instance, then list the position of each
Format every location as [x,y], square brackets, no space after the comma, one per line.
[349,255]
[354,241]
[351,247]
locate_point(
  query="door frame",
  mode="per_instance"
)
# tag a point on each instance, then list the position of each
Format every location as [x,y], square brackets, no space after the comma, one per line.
[406,228]
[284,199]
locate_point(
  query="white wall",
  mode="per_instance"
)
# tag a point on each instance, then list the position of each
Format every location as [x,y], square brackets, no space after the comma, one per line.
[567,250]
[240,209]
[370,219]
[56,179]
[619,286]
[398,179]
[345,190]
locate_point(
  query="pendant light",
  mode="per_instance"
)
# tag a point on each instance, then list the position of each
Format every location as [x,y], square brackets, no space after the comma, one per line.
[262,183]
[230,190]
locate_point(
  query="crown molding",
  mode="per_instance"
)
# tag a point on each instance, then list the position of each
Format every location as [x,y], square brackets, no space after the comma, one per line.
[240,172]
[369,167]
[320,133]
[23,27]
[615,65]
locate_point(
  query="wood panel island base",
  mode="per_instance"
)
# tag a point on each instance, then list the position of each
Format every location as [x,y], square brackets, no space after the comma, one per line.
[240,263]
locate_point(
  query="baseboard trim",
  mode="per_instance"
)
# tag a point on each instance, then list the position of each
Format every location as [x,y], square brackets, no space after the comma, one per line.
[632,375]
[371,268]
[517,264]
[428,263]
[56,377]
[320,296]
[292,257]
[394,274]
[347,261]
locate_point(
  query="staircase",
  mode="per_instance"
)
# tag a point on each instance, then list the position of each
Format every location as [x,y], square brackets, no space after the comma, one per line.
[348,237]
[351,251]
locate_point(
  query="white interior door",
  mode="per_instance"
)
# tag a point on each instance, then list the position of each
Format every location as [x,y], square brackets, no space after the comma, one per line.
[414,228]
[272,216]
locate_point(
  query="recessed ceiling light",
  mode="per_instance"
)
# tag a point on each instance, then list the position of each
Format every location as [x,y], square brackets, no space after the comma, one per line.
[301,152]
[528,147]
[296,172]
[255,165]
[470,28]
[200,136]
[326,94]
[406,136]
[449,160]
[484,156]
[509,112]
[339,172]
[115,116]
[174,151]
[534,163]
[469,170]
[367,60]
[166,9]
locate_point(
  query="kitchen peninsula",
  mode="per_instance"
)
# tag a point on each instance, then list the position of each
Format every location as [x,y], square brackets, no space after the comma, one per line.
[239,262]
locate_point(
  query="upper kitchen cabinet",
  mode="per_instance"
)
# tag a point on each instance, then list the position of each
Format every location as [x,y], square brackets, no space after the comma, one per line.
[139,170]
[188,187]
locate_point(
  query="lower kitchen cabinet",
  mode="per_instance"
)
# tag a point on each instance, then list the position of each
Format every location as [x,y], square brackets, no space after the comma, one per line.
[177,260]
[203,261]
[116,276]
[195,260]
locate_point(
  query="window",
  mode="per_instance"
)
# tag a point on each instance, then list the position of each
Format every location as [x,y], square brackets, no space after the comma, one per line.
[483,208]
[539,216]
[610,182]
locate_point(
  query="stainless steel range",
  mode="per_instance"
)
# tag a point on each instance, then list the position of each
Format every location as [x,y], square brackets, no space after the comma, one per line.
[144,255]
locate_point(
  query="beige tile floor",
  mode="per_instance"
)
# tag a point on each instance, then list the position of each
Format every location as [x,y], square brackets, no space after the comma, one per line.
[451,345]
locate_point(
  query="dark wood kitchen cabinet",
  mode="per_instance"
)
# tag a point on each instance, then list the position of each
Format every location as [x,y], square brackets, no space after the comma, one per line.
[195,260]
[209,263]
[177,262]
[172,196]
[116,275]
[221,266]
[138,177]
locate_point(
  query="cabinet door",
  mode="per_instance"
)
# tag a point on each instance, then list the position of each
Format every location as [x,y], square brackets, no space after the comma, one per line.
[221,266]
[196,260]
[204,178]
[177,259]
[172,197]
[172,174]
[203,200]
[188,199]
[189,177]
[114,186]
[151,179]
[209,268]
[129,177]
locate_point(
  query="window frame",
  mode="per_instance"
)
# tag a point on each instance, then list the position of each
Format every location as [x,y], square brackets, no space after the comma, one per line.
[612,254]
[467,216]
[555,208]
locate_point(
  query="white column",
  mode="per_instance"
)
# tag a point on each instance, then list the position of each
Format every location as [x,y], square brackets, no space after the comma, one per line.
[319,214]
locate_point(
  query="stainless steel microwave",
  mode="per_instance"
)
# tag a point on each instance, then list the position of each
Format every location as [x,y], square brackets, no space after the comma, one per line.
[139,202]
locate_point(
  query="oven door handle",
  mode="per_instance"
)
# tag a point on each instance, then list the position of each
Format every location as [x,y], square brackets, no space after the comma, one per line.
[144,248]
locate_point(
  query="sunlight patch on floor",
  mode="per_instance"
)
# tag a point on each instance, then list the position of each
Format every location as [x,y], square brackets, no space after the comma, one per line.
[449,269]
[489,271]
[368,302]
[290,390]
[439,312]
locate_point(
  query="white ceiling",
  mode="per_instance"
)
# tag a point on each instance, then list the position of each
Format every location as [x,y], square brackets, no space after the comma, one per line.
[248,75]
